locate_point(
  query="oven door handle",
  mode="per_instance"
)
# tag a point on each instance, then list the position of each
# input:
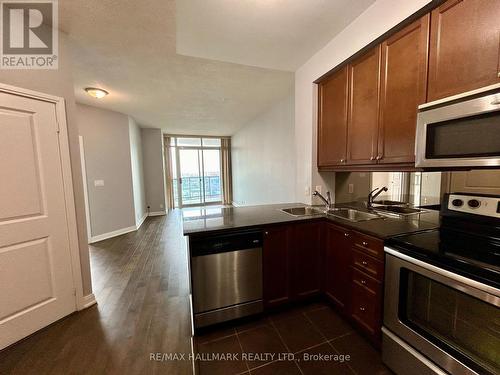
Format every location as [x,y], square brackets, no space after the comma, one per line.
[442,272]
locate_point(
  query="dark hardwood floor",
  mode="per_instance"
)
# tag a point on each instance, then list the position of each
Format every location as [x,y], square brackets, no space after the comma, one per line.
[140,281]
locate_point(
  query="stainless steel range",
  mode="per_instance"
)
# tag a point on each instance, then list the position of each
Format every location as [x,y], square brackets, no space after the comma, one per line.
[442,293]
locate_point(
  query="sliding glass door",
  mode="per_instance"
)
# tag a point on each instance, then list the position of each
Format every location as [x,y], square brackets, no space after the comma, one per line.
[211,175]
[197,177]
[191,180]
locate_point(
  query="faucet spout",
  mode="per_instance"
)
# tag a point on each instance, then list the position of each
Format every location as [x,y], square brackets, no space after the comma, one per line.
[327,200]
[372,196]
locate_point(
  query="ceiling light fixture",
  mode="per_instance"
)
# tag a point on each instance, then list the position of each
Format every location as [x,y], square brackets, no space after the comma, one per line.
[96,93]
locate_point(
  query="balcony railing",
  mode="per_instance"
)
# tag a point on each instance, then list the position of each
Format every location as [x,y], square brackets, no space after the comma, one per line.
[192,189]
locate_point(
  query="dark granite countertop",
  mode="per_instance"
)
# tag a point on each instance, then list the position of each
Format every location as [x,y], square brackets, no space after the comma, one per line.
[209,220]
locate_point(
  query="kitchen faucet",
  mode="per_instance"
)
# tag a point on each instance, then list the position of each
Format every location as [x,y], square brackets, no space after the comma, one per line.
[371,196]
[327,200]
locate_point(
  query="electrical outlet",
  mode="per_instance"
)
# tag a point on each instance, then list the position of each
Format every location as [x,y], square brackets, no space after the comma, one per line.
[318,188]
[351,188]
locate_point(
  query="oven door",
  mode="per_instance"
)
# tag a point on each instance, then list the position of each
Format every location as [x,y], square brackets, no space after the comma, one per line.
[452,320]
[459,134]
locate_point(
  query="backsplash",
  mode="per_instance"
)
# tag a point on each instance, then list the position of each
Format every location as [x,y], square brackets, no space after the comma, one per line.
[416,188]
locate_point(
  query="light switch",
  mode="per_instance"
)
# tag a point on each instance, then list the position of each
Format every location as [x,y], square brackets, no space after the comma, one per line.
[98,182]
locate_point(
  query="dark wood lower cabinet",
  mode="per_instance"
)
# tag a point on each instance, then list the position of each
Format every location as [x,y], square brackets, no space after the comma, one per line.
[306,259]
[336,265]
[292,262]
[367,275]
[276,265]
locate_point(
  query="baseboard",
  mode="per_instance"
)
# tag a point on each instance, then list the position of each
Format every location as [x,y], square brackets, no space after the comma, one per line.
[234,204]
[105,236]
[157,213]
[87,301]
[141,221]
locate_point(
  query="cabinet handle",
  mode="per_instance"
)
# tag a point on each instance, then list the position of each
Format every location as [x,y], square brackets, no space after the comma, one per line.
[363,282]
[364,263]
[342,160]
[372,158]
[365,243]
[362,309]
[346,234]
[379,157]
[266,233]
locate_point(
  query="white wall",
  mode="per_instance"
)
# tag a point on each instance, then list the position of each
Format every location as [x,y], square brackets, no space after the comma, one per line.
[60,83]
[375,21]
[263,157]
[154,171]
[107,158]
[136,160]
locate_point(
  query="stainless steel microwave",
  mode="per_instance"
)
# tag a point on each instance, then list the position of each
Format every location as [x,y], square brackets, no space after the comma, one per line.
[462,131]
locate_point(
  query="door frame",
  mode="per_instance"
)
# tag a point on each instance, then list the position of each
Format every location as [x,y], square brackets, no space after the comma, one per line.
[81,301]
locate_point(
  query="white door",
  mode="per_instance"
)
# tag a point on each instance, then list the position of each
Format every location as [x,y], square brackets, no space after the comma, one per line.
[36,282]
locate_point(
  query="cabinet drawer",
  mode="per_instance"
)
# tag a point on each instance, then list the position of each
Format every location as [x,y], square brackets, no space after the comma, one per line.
[370,245]
[364,308]
[364,281]
[368,265]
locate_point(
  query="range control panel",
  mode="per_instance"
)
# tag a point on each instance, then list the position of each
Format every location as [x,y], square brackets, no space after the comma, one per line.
[477,205]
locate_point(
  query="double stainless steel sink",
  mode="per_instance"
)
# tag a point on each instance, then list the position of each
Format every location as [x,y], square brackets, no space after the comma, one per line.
[352,214]
[341,212]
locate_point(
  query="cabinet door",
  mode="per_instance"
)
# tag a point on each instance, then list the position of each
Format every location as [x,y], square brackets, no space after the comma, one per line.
[362,128]
[464,47]
[276,265]
[332,120]
[403,88]
[337,265]
[306,260]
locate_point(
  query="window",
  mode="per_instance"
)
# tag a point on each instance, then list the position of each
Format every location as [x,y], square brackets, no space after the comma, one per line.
[195,175]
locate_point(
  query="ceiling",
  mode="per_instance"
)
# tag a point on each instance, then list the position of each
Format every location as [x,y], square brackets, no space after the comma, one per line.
[130,48]
[275,34]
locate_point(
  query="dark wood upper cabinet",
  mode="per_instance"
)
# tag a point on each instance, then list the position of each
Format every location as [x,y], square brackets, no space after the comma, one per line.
[306,259]
[363,114]
[332,119]
[337,260]
[453,49]
[403,88]
[464,47]
[276,265]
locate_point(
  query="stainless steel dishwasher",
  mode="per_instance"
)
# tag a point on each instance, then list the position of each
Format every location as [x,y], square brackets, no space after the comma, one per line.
[226,276]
